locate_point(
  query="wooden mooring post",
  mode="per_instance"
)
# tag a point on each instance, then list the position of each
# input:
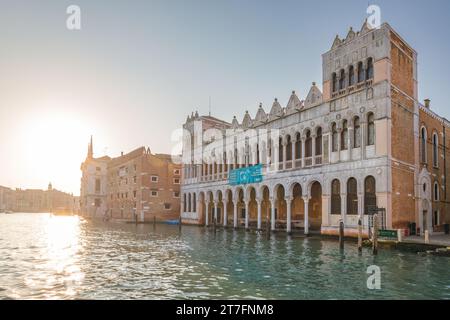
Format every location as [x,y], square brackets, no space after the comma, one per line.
[154,222]
[359,235]
[341,235]
[179,224]
[375,235]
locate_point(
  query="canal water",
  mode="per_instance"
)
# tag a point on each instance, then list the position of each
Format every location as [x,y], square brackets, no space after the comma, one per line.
[48,257]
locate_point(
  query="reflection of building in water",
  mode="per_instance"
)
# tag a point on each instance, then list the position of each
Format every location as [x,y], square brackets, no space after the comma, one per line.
[364,140]
[35,200]
[138,185]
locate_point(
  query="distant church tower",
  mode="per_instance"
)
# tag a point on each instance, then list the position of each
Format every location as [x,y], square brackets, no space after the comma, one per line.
[90,153]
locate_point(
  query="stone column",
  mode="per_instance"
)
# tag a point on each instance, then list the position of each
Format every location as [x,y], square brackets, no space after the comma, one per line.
[272,215]
[276,156]
[363,130]
[306,202]
[293,153]
[235,213]
[350,142]
[289,215]
[258,202]
[225,213]
[215,211]
[303,151]
[247,202]
[339,131]
[207,213]
[313,141]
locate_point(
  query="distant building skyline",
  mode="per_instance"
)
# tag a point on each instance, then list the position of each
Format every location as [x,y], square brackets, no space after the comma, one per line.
[134,72]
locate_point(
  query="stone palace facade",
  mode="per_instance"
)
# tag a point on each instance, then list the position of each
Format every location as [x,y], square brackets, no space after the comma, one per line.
[363,142]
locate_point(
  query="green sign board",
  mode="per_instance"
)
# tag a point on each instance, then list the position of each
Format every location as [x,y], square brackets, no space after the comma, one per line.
[387,233]
[246,175]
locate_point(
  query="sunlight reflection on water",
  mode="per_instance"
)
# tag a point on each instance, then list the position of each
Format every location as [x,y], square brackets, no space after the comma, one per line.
[50,257]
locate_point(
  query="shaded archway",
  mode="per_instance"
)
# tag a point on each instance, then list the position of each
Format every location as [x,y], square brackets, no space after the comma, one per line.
[201,207]
[297,207]
[228,199]
[240,207]
[265,207]
[252,206]
[219,212]
[280,206]
[315,207]
[209,207]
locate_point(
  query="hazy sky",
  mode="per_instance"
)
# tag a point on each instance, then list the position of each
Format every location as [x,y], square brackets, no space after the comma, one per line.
[137,68]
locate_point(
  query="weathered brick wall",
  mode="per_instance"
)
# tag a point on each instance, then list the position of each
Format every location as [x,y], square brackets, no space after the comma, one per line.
[134,190]
[435,125]
[403,140]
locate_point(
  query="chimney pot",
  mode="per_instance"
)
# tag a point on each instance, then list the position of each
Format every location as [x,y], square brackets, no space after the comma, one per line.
[427,103]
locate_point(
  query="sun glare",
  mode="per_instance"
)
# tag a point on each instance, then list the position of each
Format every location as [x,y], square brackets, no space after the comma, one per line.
[53,144]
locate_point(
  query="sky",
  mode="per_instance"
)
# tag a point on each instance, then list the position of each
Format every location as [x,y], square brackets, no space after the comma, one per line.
[136,69]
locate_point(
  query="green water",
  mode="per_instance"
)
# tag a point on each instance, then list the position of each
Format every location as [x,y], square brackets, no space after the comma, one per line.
[45,257]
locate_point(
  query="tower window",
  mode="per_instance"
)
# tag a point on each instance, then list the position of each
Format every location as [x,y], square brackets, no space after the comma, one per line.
[360,72]
[342,80]
[351,76]
[369,71]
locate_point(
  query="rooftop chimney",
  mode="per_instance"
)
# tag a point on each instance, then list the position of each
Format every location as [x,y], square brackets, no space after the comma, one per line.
[121,153]
[427,103]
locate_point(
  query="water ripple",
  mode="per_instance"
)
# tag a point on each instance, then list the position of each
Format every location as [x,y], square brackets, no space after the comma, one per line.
[44,257]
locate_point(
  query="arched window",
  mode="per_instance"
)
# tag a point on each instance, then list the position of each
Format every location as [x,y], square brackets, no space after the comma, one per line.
[194,203]
[352,197]
[189,203]
[342,79]
[335,197]
[236,162]
[369,72]
[334,82]
[351,76]
[298,146]
[225,163]
[334,138]
[435,150]
[319,142]
[423,145]
[308,145]
[360,72]
[436,192]
[370,130]
[184,202]
[258,160]
[344,136]
[288,149]
[269,151]
[356,133]
[280,150]
[370,197]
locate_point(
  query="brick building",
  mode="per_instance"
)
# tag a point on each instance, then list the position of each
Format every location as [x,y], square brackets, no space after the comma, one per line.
[137,185]
[143,185]
[363,142]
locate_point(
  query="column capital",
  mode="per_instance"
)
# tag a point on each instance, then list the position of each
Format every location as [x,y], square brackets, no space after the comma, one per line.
[306,198]
[289,199]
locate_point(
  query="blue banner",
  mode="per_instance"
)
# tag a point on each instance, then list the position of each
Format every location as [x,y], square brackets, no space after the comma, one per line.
[246,175]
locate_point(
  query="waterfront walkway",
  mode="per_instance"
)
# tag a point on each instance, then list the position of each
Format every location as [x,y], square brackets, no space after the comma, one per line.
[439,239]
